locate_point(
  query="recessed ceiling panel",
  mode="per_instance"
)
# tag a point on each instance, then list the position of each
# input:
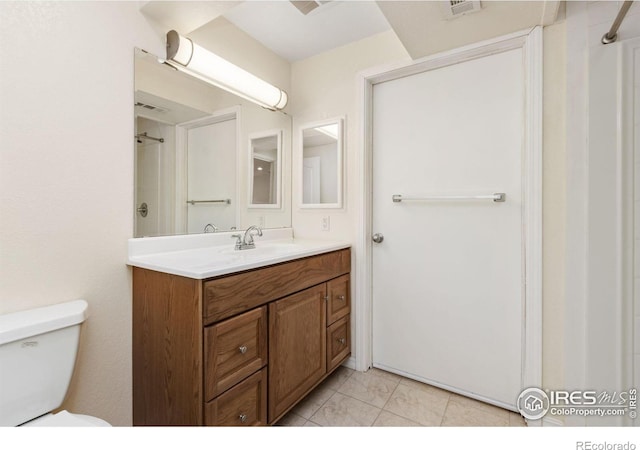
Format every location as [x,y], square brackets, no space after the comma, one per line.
[282,28]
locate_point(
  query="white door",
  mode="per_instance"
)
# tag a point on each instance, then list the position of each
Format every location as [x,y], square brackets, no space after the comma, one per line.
[311,180]
[448,286]
[211,175]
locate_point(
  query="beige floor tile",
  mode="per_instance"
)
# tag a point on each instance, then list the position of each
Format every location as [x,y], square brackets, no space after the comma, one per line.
[291,419]
[309,423]
[337,378]
[387,419]
[461,415]
[516,420]
[385,374]
[343,411]
[470,402]
[312,402]
[417,404]
[369,387]
[425,387]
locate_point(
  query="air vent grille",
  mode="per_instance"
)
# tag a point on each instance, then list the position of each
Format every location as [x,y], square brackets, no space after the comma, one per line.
[150,107]
[456,8]
[305,7]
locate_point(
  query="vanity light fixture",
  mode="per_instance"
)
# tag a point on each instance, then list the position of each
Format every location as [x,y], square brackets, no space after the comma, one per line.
[189,57]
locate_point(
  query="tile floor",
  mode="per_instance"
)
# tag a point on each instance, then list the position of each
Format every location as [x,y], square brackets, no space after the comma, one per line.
[377,398]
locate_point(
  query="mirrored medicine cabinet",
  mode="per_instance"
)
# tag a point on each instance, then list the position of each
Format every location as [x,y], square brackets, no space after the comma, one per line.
[321,166]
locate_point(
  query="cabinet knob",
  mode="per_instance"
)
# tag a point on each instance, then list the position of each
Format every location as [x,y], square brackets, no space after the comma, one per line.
[243,418]
[341,340]
[242,349]
[341,297]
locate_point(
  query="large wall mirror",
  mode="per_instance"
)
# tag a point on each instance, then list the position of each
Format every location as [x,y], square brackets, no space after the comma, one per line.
[192,171]
[321,164]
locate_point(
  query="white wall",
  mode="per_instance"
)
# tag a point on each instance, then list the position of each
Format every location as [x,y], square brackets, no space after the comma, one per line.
[324,87]
[66,178]
[554,205]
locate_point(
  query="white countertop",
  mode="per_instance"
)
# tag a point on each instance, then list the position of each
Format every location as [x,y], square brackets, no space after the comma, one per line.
[206,256]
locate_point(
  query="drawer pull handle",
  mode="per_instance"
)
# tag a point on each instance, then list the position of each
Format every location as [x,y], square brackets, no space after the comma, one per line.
[242,349]
[243,418]
[341,297]
[341,340]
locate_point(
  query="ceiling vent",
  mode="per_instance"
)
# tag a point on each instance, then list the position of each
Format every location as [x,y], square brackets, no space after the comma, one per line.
[151,107]
[456,8]
[305,7]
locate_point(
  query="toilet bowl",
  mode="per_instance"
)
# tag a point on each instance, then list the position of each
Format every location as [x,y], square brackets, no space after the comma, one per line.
[66,419]
[38,349]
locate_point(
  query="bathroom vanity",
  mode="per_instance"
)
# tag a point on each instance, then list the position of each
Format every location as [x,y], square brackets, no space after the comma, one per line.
[239,347]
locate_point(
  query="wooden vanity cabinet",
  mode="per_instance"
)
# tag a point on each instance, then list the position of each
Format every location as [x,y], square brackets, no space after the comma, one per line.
[240,349]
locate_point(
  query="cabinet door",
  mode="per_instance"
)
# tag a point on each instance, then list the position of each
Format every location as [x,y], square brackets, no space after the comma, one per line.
[297,347]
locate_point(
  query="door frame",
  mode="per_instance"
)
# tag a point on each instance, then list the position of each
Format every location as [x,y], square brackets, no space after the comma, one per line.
[530,41]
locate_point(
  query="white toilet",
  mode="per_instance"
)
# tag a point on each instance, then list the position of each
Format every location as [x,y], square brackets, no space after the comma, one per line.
[38,350]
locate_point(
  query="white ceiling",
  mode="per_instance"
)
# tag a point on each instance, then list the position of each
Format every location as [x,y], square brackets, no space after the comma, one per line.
[282,28]
[419,24]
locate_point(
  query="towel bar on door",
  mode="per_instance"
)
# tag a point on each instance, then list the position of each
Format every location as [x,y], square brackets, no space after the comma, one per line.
[497,197]
[193,202]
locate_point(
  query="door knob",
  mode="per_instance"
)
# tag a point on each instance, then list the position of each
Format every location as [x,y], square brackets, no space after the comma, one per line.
[143,210]
[377,238]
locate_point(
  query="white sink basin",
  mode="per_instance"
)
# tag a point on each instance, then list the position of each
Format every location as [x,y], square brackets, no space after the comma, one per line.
[208,262]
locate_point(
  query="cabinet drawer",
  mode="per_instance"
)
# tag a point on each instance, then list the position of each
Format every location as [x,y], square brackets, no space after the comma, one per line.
[338,342]
[230,295]
[338,302]
[243,405]
[234,349]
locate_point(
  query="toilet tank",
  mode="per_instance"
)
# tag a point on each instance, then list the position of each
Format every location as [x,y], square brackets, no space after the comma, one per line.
[38,350]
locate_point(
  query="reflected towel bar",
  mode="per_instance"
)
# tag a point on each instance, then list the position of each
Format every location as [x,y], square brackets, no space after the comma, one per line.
[497,197]
[193,202]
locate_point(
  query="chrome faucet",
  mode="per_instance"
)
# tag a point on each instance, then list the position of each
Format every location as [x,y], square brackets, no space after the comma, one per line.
[210,228]
[246,242]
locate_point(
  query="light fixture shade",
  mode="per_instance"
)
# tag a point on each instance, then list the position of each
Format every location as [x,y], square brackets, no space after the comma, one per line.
[190,58]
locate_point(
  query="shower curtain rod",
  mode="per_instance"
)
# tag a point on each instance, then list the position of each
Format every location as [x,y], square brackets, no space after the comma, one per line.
[612,35]
[144,136]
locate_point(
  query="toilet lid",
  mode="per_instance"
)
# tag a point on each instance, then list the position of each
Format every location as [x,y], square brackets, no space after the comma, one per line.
[66,419]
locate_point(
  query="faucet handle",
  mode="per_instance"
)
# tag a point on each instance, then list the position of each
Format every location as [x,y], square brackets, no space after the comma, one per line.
[238,238]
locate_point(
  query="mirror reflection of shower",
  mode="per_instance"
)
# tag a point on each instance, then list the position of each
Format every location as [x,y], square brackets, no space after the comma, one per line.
[154,162]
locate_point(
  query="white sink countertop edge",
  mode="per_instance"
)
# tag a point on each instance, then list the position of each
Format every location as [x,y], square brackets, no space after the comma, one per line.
[215,260]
